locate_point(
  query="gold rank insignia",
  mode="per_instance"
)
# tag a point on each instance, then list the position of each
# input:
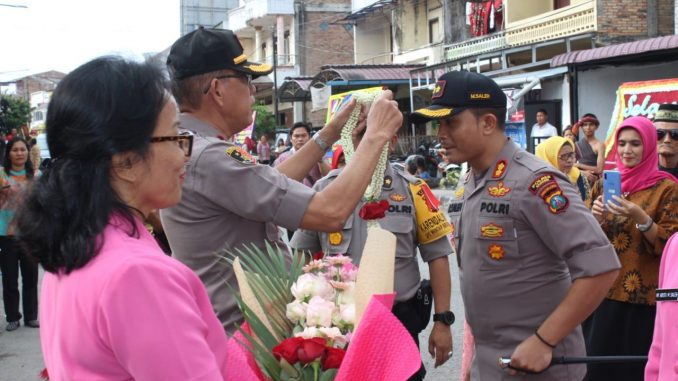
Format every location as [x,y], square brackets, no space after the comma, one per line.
[496,252]
[335,238]
[240,155]
[499,169]
[499,190]
[438,90]
[397,197]
[388,182]
[459,193]
[491,231]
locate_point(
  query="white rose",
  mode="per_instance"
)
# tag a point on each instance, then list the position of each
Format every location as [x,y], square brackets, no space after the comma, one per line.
[347,295]
[309,285]
[319,312]
[308,333]
[347,313]
[296,311]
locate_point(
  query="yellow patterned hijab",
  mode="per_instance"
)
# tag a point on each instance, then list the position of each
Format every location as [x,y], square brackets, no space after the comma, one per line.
[548,151]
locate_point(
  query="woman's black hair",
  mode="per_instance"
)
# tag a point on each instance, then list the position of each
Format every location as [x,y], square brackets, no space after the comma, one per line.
[106,106]
[7,163]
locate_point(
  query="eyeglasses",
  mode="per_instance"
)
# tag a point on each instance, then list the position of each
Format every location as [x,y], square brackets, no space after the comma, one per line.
[567,156]
[185,142]
[661,133]
[246,77]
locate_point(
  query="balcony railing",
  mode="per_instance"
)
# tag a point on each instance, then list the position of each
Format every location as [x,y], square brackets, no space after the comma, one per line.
[569,21]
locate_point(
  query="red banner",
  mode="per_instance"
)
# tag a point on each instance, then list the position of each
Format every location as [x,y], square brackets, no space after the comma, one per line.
[639,99]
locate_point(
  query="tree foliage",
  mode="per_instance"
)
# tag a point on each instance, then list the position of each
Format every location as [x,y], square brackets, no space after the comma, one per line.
[14,113]
[264,123]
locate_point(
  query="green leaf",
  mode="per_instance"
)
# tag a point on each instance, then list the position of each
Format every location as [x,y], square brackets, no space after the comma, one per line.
[328,375]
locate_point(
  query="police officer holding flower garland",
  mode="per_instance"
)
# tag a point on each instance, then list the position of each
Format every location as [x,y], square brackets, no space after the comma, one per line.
[534,262]
[414,218]
[228,200]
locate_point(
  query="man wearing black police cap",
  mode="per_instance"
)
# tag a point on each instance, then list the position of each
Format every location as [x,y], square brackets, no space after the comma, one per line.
[228,200]
[666,122]
[526,290]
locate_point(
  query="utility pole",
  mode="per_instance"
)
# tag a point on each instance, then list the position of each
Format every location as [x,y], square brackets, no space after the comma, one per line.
[275,81]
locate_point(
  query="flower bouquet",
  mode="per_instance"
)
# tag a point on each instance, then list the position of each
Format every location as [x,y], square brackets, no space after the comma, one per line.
[325,320]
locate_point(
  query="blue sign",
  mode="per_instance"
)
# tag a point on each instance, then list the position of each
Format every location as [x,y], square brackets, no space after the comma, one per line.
[516,131]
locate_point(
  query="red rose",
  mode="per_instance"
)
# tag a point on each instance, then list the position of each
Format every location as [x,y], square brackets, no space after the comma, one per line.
[374,210]
[332,358]
[287,349]
[311,349]
[318,256]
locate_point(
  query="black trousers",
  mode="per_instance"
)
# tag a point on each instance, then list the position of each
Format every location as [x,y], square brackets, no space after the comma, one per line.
[619,329]
[11,261]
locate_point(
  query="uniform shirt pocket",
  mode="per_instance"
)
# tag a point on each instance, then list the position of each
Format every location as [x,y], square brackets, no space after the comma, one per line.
[497,244]
[337,242]
[402,227]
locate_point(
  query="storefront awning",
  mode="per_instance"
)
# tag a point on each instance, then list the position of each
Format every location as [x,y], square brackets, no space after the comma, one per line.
[295,89]
[657,45]
[363,75]
[374,7]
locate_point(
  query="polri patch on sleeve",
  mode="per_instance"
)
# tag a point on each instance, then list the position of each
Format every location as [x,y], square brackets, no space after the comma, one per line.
[240,155]
[667,295]
[546,187]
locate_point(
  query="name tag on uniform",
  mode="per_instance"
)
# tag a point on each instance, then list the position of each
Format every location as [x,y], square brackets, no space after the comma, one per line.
[667,295]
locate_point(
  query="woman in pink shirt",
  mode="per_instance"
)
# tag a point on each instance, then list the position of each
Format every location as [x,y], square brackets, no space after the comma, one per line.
[662,363]
[113,306]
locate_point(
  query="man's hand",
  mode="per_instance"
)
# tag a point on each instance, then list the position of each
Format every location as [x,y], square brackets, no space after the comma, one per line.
[531,355]
[384,119]
[440,343]
[332,130]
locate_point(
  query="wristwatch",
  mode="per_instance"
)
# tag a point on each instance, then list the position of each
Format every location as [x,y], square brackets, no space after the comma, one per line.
[646,226]
[446,317]
[320,142]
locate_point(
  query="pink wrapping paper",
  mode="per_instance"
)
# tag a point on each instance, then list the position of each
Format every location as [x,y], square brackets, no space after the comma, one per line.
[380,336]
[383,338]
[240,362]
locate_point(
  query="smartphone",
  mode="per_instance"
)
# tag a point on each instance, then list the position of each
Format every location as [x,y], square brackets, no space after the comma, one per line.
[611,185]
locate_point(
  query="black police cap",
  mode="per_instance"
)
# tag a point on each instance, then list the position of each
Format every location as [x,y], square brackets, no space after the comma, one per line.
[457,91]
[207,50]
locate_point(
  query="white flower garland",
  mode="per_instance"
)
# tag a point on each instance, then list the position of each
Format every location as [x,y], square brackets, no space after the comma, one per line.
[373,190]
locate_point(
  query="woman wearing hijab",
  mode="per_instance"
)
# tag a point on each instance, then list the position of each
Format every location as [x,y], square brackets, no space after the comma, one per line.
[638,224]
[560,153]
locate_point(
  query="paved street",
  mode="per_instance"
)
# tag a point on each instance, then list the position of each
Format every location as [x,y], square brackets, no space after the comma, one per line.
[21,360]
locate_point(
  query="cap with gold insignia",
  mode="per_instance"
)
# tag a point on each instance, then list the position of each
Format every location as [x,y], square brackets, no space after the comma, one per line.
[457,91]
[206,50]
[667,112]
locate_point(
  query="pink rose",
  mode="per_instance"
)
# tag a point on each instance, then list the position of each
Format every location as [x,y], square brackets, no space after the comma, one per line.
[349,272]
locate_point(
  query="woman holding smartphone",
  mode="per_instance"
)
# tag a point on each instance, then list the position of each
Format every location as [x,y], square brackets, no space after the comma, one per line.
[15,177]
[638,225]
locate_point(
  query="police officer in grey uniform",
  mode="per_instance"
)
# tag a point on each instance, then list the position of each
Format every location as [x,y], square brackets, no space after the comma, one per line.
[533,261]
[427,230]
[228,200]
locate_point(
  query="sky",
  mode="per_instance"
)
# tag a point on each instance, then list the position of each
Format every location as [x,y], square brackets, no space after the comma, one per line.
[63,34]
